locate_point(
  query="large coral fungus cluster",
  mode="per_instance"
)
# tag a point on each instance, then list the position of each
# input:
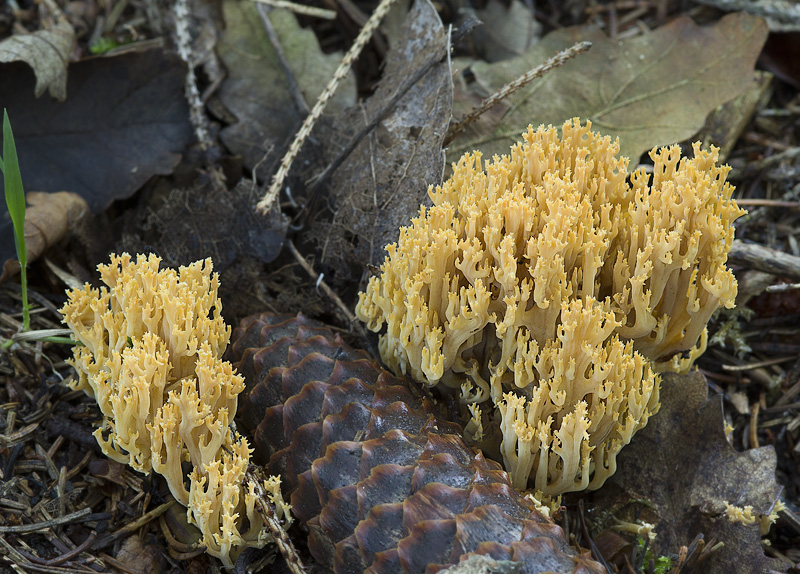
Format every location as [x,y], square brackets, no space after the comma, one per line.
[150,354]
[553,284]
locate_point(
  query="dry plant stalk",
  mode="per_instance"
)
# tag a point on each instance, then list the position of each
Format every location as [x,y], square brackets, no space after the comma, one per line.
[364,35]
[266,507]
[183,41]
[513,86]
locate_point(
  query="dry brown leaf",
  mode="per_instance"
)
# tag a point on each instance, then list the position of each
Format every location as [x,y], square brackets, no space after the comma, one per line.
[651,90]
[257,89]
[48,218]
[679,472]
[47,52]
[187,224]
[126,119]
[381,184]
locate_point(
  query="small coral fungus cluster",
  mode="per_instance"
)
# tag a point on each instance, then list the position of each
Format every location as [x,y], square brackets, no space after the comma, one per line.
[553,284]
[150,354]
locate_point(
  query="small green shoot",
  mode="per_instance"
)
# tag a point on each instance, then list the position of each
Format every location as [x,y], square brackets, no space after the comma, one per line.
[663,564]
[102,45]
[15,200]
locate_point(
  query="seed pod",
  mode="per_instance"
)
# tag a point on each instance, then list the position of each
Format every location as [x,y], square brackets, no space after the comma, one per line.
[380,482]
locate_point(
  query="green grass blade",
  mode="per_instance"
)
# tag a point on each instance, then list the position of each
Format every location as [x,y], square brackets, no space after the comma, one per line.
[15,200]
[15,195]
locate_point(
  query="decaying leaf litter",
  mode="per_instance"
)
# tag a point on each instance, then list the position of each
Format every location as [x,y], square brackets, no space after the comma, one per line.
[107,141]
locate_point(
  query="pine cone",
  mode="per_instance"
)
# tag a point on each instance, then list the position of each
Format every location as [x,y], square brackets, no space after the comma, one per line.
[380,483]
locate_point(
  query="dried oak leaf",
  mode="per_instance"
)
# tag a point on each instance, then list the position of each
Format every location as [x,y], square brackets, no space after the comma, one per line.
[257,89]
[47,53]
[48,218]
[381,184]
[679,472]
[126,119]
[651,90]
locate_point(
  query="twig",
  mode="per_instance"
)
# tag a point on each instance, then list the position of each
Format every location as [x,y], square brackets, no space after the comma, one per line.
[762,258]
[25,563]
[754,426]
[364,35]
[782,287]
[554,62]
[779,10]
[282,540]
[790,196]
[327,290]
[758,364]
[56,11]
[135,525]
[74,552]
[775,159]
[22,528]
[769,203]
[301,9]
[294,89]
[596,554]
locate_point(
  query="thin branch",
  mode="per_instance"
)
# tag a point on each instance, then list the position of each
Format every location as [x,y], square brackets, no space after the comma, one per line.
[36,526]
[760,258]
[294,88]
[279,536]
[780,10]
[327,290]
[364,35]
[301,9]
[134,525]
[554,62]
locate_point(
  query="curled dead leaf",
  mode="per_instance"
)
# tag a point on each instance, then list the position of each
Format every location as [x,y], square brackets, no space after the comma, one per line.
[48,218]
[47,52]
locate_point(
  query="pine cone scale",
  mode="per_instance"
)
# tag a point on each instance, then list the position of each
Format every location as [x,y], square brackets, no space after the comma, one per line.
[381,484]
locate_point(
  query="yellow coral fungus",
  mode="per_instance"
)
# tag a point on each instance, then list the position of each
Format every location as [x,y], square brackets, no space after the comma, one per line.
[548,272]
[585,393]
[151,352]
